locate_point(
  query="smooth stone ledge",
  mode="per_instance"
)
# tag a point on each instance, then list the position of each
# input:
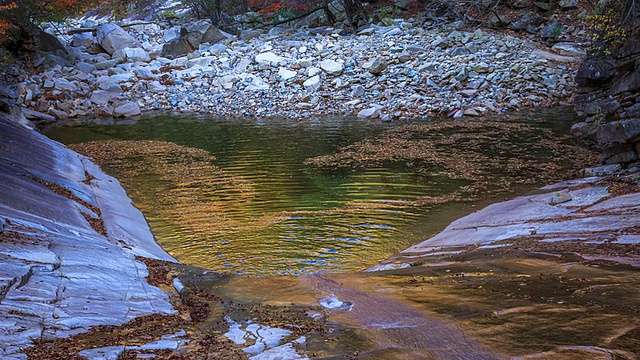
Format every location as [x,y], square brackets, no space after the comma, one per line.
[59,275]
[590,214]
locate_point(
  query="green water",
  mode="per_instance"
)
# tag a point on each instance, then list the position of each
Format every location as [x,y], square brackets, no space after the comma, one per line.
[257,209]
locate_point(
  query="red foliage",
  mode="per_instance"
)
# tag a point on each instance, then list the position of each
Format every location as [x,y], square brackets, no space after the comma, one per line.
[15,14]
[257,4]
[271,8]
[5,28]
[299,8]
[264,7]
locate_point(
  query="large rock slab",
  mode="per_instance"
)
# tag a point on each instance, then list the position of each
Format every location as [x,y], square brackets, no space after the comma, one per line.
[113,38]
[577,210]
[62,274]
[201,32]
[191,36]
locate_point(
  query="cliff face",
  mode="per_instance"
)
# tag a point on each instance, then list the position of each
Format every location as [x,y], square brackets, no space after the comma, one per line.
[609,97]
[69,237]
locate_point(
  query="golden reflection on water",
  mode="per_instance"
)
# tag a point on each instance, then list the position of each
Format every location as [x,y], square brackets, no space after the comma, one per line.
[260,210]
[206,216]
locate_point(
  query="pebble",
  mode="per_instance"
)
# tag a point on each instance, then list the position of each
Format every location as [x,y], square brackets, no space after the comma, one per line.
[404,70]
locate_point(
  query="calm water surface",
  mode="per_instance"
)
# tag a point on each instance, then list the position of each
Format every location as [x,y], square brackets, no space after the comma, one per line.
[245,203]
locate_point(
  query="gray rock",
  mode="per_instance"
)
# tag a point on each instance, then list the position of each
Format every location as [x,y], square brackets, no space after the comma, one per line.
[156,86]
[405,57]
[633,111]
[286,74]
[367,31]
[481,68]
[619,154]
[376,66]
[604,170]
[171,34]
[528,19]
[457,51]
[48,84]
[102,97]
[250,34]
[104,353]
[217,49]
[515,218]
[560,197]
[68,253]
[59,114]
[63,84]
[568,49]
[144,73]
[468,93]
[176,48]
[462,75]
[37,116]
[50,61]
[305,62]
[8,92]
[393,32]
[133,55]
[51,44]
[276,31]
[127,109]
[332,67]
[621,131]
[269,58]
[471,112]
[551,31]
[86,67]
[104,65]
[95,49]
[82,39]
[256,83]
[369,113]
[201,32]
[358,91]
[312,84]
[113,38]
[226,81]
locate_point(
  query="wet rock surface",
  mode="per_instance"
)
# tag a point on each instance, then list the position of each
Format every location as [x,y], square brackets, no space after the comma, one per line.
[584,213]
[69,240]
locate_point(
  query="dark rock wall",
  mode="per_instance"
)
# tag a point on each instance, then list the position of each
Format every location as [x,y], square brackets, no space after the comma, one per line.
[609,98]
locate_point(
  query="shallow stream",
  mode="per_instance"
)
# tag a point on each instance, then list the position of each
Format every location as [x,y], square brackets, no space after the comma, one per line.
[237,195]
[333,196]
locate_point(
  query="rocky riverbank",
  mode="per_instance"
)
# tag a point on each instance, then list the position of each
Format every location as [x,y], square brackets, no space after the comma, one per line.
[398,71]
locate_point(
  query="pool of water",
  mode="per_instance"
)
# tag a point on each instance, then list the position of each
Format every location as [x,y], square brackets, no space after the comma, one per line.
[237,196]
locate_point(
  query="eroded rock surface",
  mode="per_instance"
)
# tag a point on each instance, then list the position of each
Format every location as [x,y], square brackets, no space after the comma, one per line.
[581,213]
[69,243]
